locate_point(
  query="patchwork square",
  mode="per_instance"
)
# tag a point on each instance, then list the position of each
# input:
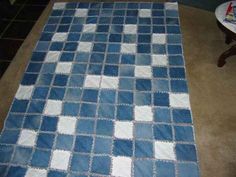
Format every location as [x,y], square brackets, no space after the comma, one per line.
[52,56]
[53,107]
[66,125]
[158,38]
[63,67]
[164,150]
[123,129]
[145,13]
[130,29]
[89,28]
[123,147]
[59,37]
[60,160]
[81,12]
[24,92]
[143,71]
[159,60]
[109,82]
[92,81]
[27,138]
[101,165]
[83,144]
[84,47]
[143,113]
[35,172]
[179,100]
[128,48]
[121,166]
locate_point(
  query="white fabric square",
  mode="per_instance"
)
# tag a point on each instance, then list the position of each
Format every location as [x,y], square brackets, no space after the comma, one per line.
[53,107]
[179,100]
[158,38]
[130,29]
[109,82]
[89,28]
[124,129]
[143,113]
[59,5]
[35,172]
[164,150]
[121,166]
[128,48]
[84,46]
[159,60]
[81,12]
[24,92]
[59,37]
[60,160]
[63,67]
[145,13]
[52,56]
[66,125]
[171,5]
[27,138]
[143,71]
[92,81]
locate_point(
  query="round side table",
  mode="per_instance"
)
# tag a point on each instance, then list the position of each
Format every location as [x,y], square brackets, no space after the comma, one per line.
[230,32]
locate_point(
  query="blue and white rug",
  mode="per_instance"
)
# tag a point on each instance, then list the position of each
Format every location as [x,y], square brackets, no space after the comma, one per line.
[105,94]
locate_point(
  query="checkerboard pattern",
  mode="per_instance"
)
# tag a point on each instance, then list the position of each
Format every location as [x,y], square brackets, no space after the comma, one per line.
[104,94]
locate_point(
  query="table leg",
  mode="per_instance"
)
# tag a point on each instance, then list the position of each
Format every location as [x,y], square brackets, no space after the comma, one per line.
[225,55]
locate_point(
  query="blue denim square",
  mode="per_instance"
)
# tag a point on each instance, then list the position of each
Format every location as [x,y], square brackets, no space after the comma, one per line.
[101,165]
[127,59]
[104,20]
[45,140]
[32,122]
[129,38]
[119,13]
[38,56]
[60,80]
[113,48]
[88,37]
[181,116]
[78,21]
[49,124]
[106,111]
[106,5]
[101,37]
[123,148]
[56,46]
[40,93]
[125,97]
[69,12]
[79,68]
[112,58]
[83,144]
[158,21]
[143,48]
[143,59]
[158,29]
[161,85]
[145,21]
[85,126]
[159,72]
[76,81]
[116,29]
[111,70]
[106,12]
[173,29]
[142,98]
[99,47]
[34,67]
[64,142]
[158,13]
[102,145]
[63,28]
[76,28]
[14,121]
[83,5]
[107,96]
[115,38]
[143,149]
[143,131]
[124,112]
[102,28]
[6,152]
[162,115]
[70,46]
[52,20]
[9,136]
[40,158]
[120,5]
[66,20]
[66,56]
[90,95]
[16,171]
[144,38]
[184,133]
[131,20]
[118,20]
[143,84]
[158,5]
[88,110]
[104,127]
[177,73]
[22,155]
[97,58]
[174,49]
[36,106]
[70,109]
[80,163]
[188,169]
[73,94]
[143,168]
[166,169]
[174,39]
[19,106]
[57,93]
[132,5]
[71,5]
[186,152]
[50,28]
[45,79]
[163,132]
[48,68]
[53,173]
[179,86]
[127,71]
[172,13]
[126,84]
[158,49]
[46,36]
[144,29]
[29,79]
[176,60]
[82,57]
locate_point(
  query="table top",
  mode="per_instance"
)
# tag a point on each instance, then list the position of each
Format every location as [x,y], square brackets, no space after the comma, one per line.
[220,15]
